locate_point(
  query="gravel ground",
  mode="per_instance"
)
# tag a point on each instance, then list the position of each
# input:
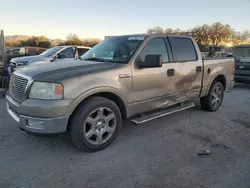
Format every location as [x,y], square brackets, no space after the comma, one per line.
[161,153]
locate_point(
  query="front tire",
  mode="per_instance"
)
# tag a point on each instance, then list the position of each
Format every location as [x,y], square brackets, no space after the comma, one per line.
[212,102]
[95,124]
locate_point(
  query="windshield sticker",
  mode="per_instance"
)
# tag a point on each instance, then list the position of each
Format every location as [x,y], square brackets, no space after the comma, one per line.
[136,38]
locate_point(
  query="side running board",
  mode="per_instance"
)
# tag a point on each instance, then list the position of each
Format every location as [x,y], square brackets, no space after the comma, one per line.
[163,112]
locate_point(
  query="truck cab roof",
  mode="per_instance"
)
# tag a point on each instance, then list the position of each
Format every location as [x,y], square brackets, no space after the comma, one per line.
[152,35]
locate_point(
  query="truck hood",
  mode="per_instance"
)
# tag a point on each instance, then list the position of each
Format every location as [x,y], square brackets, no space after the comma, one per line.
[30,58]
[63,69]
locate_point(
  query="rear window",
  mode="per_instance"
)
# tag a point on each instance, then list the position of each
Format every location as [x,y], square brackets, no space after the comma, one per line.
[183,49]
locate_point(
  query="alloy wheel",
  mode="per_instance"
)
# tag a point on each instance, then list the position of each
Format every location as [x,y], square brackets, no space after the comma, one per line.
[99,126]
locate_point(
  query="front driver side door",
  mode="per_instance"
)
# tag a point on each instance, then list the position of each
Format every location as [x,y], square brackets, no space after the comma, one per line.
[154,84]
[67,53]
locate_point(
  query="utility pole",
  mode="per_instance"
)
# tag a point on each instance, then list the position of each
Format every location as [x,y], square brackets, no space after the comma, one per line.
[2,49]
[3,61]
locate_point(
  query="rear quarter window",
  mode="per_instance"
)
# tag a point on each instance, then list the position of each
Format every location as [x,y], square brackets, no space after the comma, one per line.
[82,51]
[183,49]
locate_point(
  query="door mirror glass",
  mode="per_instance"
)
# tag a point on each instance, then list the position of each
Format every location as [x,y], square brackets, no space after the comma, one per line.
[150,61]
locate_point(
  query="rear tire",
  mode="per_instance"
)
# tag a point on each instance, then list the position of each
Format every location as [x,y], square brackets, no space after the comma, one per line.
[95,124]
[212,102]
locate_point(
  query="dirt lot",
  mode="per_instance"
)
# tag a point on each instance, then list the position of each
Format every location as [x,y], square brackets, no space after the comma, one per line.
[161,153]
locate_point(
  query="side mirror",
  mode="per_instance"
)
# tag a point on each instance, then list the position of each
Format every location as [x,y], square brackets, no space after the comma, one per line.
[56,57]
[151,61]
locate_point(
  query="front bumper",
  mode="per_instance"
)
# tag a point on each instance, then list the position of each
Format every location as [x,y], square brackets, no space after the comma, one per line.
[36,124]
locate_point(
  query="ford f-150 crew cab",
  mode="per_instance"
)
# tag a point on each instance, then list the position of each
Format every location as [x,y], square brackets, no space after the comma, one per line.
[136,77]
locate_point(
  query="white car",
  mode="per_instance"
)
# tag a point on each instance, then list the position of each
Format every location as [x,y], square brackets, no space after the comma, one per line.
[48,56]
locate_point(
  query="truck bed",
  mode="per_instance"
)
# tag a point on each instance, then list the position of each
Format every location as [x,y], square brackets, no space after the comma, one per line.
[214,65]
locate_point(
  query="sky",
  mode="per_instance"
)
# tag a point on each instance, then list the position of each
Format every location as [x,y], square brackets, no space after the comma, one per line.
[99,18]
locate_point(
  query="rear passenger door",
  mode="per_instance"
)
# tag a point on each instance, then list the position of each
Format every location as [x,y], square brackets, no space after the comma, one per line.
[189,71]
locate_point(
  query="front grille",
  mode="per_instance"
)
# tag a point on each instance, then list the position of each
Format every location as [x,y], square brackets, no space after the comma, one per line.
[18,87]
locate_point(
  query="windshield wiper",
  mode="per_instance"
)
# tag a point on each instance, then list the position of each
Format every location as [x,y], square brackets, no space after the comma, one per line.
[95,59]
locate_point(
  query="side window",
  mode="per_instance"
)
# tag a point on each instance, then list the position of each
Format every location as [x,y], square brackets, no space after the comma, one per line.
[183,49]
[67,53]
[155,46]
[82,51]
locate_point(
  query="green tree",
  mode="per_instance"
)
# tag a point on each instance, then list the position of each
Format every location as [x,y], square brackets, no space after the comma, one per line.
[169,30]
[42,41]
[201,34]
[219,34]
[90,42]
[155,30]
[73,39]
[12,43]
[245,35]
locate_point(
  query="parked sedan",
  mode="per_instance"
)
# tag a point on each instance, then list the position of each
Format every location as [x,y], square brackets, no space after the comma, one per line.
[50,55]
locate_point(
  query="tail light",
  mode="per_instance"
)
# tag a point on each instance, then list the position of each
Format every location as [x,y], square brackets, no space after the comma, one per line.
[234,67]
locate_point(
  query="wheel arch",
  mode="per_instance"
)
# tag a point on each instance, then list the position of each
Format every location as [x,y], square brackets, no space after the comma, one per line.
[219,78]
[109,93]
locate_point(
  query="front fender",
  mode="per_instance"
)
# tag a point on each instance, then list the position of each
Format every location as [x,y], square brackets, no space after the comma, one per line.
[92,92]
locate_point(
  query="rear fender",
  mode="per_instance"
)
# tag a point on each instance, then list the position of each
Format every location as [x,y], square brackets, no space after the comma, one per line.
[217,72]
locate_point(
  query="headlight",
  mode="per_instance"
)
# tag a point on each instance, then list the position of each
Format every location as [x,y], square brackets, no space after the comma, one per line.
[44,90]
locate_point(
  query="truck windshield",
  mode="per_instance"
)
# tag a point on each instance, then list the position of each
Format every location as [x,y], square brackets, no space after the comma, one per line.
[242,52]
[116,49]
[51,51]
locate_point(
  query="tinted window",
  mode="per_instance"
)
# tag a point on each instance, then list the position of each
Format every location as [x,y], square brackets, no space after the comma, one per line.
[183,49]
[82,51]
[67,53]
[155,46]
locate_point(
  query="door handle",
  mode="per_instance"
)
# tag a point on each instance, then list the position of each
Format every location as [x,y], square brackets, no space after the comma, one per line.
[170,72]
[198,69]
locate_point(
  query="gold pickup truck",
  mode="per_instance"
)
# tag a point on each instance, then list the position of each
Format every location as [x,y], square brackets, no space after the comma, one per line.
[135,77]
